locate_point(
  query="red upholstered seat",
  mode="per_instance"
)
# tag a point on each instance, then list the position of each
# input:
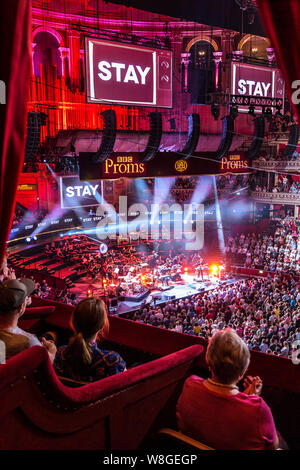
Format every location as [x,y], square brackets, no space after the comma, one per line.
[28,324]
[38,312]
[39,412]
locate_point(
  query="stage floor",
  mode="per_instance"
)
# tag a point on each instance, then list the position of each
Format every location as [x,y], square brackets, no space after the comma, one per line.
[187,287]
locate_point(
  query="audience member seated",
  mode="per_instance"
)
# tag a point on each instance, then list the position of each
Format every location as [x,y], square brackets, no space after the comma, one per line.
[14,296]
[215,412]
[82,359]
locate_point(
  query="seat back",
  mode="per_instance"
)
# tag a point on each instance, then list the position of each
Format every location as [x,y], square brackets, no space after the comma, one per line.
[38,412]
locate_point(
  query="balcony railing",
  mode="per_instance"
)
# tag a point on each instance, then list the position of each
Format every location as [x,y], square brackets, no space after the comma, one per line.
[292,165]
[273,198]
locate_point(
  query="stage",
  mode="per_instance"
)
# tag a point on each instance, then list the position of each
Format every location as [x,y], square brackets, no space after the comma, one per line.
[188,286]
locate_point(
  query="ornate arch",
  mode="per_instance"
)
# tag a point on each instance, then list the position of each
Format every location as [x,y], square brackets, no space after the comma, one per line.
[248,37]
[201,38]
[47,29]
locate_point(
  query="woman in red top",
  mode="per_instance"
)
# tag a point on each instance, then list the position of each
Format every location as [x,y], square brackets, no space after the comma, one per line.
[215,412]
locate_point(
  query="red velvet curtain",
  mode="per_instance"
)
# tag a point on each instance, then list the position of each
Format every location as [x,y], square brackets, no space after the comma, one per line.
[15,72]
[281,22]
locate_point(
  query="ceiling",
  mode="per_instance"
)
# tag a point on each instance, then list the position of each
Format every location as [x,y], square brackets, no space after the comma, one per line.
[218,13]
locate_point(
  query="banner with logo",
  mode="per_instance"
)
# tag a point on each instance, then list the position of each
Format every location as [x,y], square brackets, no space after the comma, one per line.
[129,165]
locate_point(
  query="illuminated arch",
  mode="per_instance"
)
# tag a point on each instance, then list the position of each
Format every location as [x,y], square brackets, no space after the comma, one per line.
[248,37]
[53,32]
[202,38]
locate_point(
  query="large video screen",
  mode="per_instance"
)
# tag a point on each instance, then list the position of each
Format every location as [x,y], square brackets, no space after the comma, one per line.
[127,74]
[257,86]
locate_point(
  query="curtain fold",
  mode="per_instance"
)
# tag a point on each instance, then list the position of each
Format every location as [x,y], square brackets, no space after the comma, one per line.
[281,23]
[15,72]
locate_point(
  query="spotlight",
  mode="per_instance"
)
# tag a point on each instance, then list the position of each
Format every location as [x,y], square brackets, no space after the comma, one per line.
[214,270]
[267,111]
[250,14]
[28,239]
[251,110]
[215,111]
[35,237]
[89,293]
[61,235]
[234,112]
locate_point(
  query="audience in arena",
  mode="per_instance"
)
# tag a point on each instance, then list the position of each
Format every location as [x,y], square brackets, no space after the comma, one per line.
[215,412]
[264,312]
[278,253]
[82,359]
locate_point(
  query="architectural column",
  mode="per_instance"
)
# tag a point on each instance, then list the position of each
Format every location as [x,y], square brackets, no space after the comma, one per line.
[74,42]
[237,56]
[64,53]
[218,60]
[185,60]
[33,44]
[271,55]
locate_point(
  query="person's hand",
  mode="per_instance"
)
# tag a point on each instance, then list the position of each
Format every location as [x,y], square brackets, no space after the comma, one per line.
[253,385]
[11,274]
[51,348]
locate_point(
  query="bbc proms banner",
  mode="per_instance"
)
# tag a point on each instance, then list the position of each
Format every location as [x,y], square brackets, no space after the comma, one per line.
[130,165]
[127,74]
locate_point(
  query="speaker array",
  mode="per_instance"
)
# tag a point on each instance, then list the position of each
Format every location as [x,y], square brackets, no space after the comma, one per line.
[227,136]
[154,137]
[33,137]
[257,141]
[292,142]
[108,136]
[193,136]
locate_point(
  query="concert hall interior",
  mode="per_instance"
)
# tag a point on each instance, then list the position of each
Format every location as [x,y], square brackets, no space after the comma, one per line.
[150,227]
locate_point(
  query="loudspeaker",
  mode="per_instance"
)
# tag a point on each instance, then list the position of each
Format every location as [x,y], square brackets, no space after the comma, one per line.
[193,136]
[33,135]
[108,137]
[257,141]
[227,136]
[154,137]
[293,141]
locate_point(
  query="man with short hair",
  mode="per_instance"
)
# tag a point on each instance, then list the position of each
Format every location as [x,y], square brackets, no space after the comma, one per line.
[14,295]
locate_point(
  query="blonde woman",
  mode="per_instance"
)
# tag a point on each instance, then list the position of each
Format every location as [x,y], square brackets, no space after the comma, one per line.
[215,412]
[82,359]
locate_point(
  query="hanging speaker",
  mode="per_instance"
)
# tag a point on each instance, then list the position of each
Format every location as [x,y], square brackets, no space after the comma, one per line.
[193,136]
[108,137]
[292,142]
[227,136]
[33,135]
[258,138]
[154,137]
